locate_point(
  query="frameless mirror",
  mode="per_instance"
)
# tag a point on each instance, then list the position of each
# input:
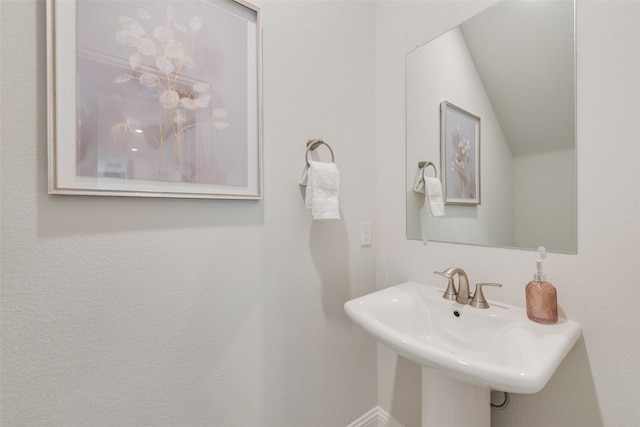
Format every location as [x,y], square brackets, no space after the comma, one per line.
[511,67]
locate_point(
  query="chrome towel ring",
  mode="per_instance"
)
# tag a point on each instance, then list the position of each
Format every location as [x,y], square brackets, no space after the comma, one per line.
[424,165]
[312,144]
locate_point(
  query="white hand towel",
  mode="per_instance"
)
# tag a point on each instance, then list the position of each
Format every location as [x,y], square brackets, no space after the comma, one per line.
[433,196]
[432,189]
[418,182]
[323,183]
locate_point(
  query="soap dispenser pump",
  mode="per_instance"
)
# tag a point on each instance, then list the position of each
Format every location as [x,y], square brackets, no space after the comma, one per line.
[542,298]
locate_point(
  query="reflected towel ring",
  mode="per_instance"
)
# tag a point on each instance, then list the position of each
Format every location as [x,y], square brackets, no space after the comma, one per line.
[423,166]
[312,144]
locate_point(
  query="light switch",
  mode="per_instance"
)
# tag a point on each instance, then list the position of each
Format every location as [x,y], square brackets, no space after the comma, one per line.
[366,229]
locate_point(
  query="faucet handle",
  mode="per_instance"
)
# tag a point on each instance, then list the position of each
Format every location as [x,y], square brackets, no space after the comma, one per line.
[478,300]
[451,292]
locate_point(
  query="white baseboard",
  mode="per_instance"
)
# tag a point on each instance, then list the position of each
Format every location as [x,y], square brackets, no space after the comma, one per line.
[376,417]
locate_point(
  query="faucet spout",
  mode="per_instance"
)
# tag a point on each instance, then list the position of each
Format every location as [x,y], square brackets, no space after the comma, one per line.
[463,296]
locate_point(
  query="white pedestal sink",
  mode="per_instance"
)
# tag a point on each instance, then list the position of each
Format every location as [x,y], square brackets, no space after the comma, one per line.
[464,351]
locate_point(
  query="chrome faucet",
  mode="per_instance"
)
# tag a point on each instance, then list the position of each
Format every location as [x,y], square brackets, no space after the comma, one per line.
[462,294]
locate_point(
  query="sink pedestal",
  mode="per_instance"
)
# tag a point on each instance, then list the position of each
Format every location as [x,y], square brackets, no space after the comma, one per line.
[452,403]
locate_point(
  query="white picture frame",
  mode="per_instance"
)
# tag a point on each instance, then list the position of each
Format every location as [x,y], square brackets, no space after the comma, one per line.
[460,155]
[154,98]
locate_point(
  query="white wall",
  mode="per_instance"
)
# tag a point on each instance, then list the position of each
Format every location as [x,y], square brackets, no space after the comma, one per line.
[176,312]
[133,312]
[541,193]
[597,385]
[443,70]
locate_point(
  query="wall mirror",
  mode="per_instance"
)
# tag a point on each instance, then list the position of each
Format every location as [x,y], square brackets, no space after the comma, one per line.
[513,67]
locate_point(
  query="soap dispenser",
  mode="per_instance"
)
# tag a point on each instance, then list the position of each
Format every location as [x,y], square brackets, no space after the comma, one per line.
[542,298]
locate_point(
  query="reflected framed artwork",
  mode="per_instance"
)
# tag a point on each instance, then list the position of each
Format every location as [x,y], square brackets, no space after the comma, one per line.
[460,155]
[154,98]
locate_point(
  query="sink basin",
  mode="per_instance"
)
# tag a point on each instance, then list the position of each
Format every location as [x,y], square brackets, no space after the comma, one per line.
[498,348]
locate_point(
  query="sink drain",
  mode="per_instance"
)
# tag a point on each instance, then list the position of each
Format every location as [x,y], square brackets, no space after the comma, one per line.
[456,313]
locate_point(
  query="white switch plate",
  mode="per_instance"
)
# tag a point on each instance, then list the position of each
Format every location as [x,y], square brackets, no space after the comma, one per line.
[366,230]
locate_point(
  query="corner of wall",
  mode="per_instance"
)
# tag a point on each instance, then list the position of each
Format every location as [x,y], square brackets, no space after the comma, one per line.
[376,417]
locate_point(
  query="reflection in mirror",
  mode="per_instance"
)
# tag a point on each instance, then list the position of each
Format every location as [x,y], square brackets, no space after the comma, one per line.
[513,66]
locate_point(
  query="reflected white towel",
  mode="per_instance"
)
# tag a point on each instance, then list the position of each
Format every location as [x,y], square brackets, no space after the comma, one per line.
[432,189]
[433,196]
[323,184]
[418,182]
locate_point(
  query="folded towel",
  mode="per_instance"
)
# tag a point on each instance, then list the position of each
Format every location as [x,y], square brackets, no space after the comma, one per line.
[323,183]
[432,189]
[418,181]
[433,196]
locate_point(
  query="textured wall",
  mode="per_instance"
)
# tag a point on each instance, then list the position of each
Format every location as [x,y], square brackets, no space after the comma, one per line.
[133,312]
[598,384]
[176,312]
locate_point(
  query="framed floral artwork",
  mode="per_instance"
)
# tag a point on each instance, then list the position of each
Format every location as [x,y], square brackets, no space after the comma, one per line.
[460,155]
[154,98]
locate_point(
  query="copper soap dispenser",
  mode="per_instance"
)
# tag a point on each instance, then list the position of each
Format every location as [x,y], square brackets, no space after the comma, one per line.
[542,298]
